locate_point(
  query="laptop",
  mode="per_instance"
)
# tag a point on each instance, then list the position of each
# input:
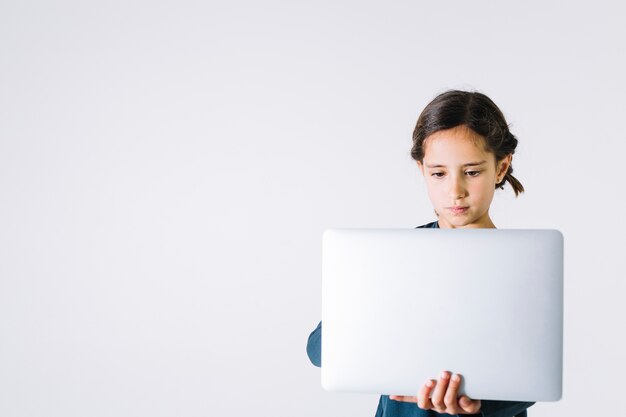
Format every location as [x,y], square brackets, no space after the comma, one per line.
[401,305]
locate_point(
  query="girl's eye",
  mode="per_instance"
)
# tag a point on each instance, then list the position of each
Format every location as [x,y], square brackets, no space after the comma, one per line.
[470,173]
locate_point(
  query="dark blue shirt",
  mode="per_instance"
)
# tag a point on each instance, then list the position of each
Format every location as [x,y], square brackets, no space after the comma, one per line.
[391,408]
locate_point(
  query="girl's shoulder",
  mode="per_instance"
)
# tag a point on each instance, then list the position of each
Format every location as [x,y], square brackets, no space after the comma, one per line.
[433,225]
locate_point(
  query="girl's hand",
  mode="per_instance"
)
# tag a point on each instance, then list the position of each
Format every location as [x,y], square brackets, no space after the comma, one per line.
[444,397]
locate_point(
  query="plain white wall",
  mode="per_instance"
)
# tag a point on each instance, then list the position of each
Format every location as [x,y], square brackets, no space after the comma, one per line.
[167,170]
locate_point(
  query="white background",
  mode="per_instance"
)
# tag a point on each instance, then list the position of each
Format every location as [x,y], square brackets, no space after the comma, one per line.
[167,170]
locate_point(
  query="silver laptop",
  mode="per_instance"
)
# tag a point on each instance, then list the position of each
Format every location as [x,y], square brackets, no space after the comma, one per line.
[401,305]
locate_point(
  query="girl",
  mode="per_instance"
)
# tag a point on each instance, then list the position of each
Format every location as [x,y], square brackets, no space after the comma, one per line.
[463,147]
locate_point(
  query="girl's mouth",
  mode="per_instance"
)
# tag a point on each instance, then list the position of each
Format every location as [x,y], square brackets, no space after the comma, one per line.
[458,210]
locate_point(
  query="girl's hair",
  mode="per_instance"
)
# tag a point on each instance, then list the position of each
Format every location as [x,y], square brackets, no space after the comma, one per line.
[476,111]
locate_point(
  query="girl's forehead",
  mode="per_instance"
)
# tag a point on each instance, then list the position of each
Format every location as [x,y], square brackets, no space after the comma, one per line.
[458,143]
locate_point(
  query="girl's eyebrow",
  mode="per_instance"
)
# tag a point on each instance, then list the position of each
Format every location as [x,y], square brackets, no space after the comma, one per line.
[464,165]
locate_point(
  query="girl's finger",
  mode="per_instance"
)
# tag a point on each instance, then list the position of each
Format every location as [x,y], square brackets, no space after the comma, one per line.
[423,396]
[403,398]
[468,405]
[450,399]
[440,390]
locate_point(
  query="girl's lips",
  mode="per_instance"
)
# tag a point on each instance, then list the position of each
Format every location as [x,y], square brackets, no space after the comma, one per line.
[458,210]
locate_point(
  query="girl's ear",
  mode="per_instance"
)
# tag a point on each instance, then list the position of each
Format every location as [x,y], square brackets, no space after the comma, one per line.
[503,165]
[421,167]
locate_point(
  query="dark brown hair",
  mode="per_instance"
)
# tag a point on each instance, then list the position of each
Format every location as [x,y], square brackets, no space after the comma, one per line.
[476,111]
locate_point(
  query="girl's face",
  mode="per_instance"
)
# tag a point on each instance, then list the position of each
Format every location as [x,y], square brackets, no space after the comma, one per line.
[460,173]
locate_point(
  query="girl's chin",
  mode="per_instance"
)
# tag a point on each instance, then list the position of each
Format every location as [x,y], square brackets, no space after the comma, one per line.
[457,221]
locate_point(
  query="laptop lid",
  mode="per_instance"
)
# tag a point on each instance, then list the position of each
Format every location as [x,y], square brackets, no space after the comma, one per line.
[401,305]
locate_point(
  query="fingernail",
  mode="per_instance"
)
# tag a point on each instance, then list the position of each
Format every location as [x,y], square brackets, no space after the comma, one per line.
[456,378]
[444,375]
[430,383]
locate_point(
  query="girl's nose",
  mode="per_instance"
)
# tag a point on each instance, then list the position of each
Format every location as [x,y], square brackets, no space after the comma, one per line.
[457,189]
